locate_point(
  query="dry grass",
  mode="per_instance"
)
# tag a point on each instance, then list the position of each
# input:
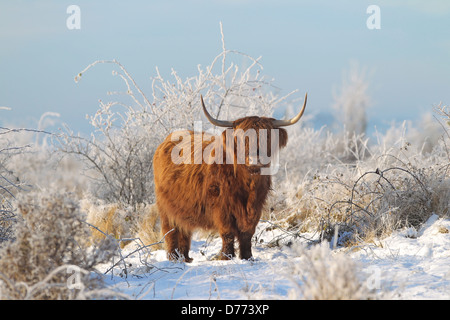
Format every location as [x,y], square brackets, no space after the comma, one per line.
[123,222]
[149,229]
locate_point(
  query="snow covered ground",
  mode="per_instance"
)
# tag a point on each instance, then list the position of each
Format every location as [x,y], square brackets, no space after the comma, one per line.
[410,264]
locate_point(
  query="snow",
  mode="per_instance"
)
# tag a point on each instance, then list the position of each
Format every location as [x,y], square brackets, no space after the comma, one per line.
[413,265]
[409,264]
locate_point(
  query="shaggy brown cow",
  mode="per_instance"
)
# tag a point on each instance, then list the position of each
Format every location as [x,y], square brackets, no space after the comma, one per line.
[213,193]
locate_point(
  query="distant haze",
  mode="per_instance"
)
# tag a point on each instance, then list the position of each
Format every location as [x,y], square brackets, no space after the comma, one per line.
[305,45]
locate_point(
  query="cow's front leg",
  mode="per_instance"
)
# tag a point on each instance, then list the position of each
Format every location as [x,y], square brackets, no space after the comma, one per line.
[245,245]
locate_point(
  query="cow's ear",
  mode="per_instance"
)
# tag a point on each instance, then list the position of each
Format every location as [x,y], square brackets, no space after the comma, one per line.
[283,137]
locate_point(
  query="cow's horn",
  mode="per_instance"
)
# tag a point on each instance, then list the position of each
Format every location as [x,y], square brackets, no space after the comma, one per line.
[284,123]
[216,122]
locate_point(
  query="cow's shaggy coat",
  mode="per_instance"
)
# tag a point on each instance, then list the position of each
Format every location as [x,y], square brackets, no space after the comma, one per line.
[223,197]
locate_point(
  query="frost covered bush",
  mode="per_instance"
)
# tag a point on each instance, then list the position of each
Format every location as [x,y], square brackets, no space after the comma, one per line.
[391,184]
[321,274]
[352,101]
[29,162]
[50,257]
[9,181]
[111,219]
[127,133]
[310,152]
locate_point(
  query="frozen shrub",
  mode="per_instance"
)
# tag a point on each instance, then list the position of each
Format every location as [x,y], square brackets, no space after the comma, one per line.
[113,219]
[127,133]
[51,243]
[10,183]
[371,198]
[321,274]
[28,162]
[308,186]
[393,184]
[352,101]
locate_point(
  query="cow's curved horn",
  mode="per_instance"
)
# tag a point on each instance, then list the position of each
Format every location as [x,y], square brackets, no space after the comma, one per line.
[284,123]
[216,122]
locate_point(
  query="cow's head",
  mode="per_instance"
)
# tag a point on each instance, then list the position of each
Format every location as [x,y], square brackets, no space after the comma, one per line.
[254,141]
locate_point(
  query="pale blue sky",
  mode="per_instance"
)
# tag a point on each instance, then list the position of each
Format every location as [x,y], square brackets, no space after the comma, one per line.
[304,45]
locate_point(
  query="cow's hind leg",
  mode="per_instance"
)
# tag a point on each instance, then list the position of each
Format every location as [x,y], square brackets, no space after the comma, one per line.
[171,238]
[176,241]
